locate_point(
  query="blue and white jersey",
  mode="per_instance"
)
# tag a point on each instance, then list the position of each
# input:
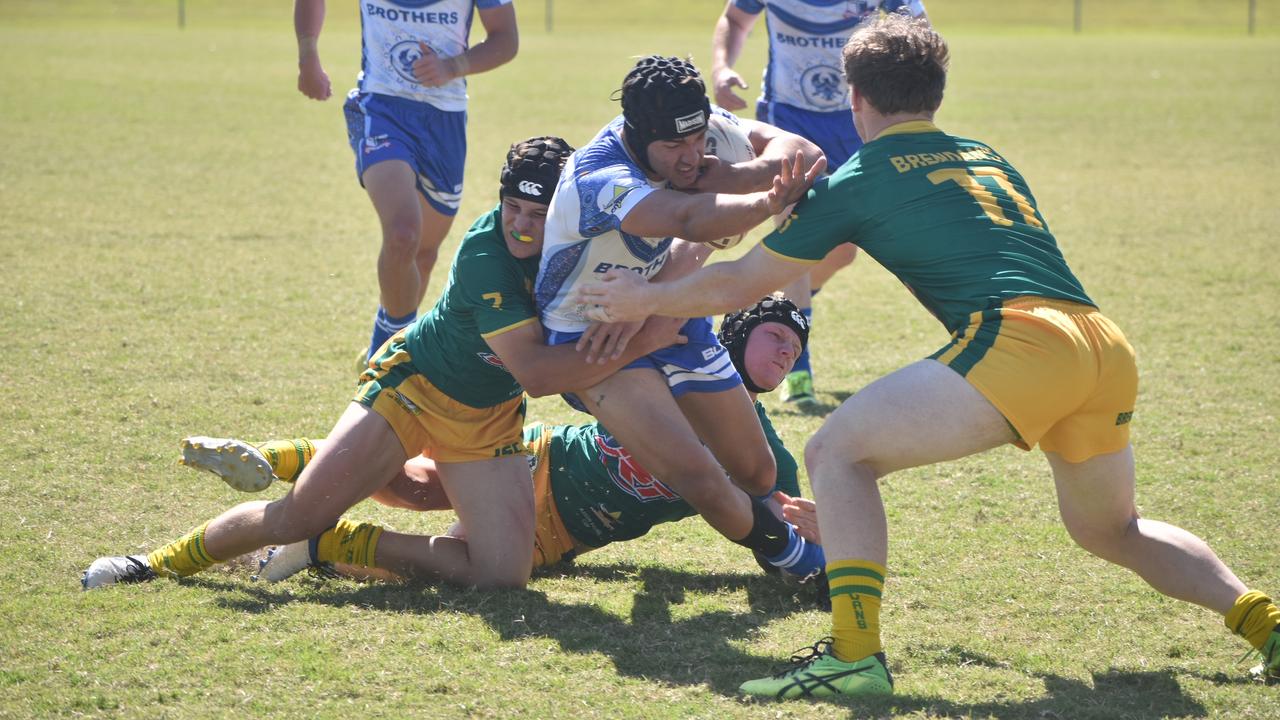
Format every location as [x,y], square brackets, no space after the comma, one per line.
[805,38]
[583,238]
[391,31]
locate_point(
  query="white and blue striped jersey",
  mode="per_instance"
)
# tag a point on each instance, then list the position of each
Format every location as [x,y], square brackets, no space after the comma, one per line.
[805,38]
[391,31]
[583,238]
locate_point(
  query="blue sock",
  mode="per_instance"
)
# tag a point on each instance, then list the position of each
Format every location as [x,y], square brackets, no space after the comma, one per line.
[801,556]
[384,326]
[802,362]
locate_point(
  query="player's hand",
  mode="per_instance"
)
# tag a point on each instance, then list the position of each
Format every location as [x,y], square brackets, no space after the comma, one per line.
[430,69]
[725,81]
[803,513]
[620,296]
[717,176]
[793,181]
[606,341]
[313,81]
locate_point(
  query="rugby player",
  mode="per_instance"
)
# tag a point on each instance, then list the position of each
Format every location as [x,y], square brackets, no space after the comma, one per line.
[407,125]
[618,208]
[1031,359]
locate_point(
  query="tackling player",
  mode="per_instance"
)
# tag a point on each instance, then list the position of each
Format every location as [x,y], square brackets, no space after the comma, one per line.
[407,125]
[452,386]
[588,490]
[803,91]
[1031,359]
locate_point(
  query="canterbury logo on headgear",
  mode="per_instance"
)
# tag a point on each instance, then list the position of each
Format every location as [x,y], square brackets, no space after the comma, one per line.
[529,188]
[692,122]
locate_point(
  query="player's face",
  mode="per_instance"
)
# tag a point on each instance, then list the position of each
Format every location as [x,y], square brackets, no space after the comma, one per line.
[678,161]
[771,352]
[522,224]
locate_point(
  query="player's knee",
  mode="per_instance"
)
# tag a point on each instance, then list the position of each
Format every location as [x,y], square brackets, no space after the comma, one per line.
[827,456]
[400,239]
[506,576]
[1103,539]
[756,473]
[289,524]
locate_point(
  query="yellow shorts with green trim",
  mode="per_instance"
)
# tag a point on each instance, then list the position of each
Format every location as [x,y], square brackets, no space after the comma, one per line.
[429,422]
[551,541]
[1060,372]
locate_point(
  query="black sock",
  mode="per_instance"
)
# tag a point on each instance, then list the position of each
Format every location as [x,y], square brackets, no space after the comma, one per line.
[769,533]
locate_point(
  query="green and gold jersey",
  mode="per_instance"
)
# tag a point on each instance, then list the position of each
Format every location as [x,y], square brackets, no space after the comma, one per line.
[951,218]
[489,292]
[604,496]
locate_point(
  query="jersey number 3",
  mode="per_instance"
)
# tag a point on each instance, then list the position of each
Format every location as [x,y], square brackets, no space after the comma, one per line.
[971,180]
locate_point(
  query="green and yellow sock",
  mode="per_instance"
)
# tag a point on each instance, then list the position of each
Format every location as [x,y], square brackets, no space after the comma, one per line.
[288,457]
[184,556]
[349,543]
[1253,618]
[856,586]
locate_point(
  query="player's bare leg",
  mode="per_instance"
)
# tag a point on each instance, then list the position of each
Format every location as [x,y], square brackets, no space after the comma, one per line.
[922,414]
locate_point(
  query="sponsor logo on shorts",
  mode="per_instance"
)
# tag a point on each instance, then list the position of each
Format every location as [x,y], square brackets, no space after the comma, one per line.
[1124,417]
[406,403]
[692,121]
[628,475]
[375,143]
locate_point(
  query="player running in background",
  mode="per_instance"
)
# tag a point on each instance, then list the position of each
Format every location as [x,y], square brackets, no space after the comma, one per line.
[803,91]
[1031,359]
[407,125]
[588,490]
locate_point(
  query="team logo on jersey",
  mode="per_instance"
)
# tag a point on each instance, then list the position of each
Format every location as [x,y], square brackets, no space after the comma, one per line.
[823,86]
[620,193]
[402,56]
[491,359]
[628,475]
[376,142]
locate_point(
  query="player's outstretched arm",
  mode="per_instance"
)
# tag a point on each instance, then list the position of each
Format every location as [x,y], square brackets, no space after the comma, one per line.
[703,217]
[308,19]
[772,147]
[714,289]
[552,369]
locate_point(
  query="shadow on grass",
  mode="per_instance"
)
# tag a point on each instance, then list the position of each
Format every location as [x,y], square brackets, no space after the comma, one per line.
[653,645]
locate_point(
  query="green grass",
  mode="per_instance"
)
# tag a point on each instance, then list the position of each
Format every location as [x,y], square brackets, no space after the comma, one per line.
[184,250]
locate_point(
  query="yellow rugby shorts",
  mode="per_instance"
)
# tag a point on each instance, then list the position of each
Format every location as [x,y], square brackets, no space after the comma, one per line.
[429,422]
[1060,372]
[551,541]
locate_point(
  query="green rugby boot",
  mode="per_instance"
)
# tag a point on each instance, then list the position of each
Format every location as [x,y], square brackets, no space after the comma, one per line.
[797,388]
[1269,669]
[820,674]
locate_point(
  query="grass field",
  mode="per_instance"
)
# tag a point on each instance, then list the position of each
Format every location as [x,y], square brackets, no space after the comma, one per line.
[184,250]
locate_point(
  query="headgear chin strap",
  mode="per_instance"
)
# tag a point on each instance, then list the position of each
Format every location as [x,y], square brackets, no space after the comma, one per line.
[737,326]
[663,98]
[533,168]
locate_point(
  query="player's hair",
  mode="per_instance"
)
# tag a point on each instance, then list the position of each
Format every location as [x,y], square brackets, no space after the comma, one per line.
[663,98]
[736,328]
[533,168]
[898,63]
